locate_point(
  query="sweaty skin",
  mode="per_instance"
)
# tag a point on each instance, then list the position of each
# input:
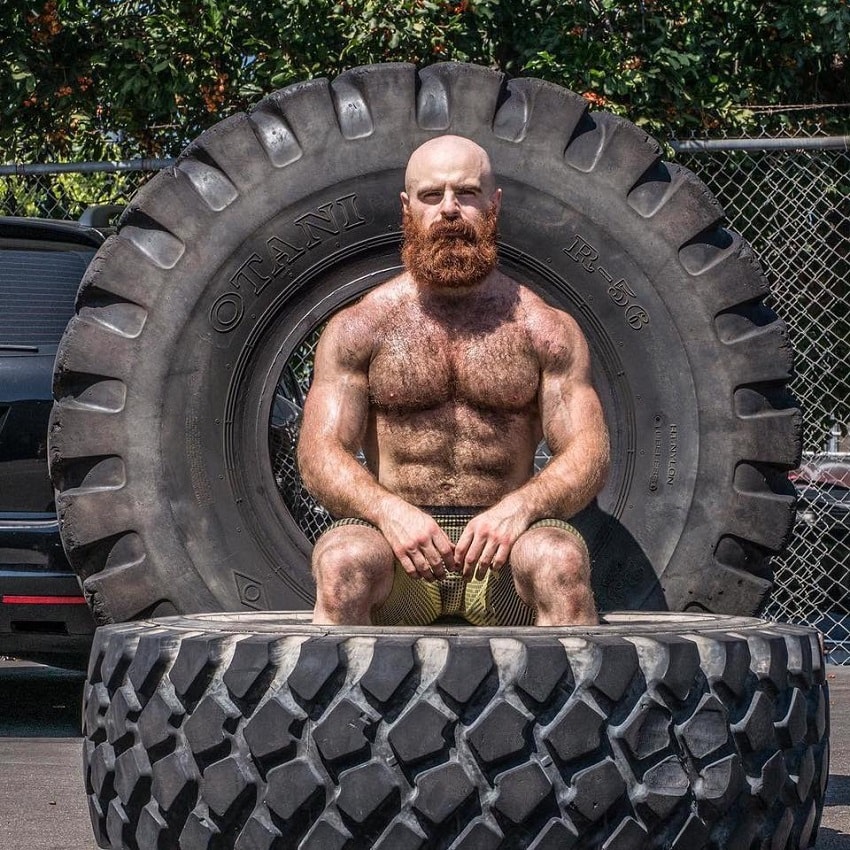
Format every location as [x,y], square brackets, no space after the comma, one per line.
[448,390]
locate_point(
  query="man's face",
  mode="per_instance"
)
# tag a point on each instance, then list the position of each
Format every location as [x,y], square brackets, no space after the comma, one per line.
[449,179]
[452,253]
[451,207]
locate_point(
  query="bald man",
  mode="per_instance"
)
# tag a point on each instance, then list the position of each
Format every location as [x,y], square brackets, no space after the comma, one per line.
[446,378]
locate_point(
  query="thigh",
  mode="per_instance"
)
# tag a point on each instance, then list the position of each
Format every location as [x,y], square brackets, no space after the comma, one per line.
[352,552]
[549,551]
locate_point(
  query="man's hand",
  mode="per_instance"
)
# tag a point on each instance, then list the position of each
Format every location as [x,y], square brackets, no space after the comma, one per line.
[487,540]
[421,547]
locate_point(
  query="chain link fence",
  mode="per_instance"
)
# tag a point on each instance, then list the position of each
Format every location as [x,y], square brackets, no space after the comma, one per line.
[790,197]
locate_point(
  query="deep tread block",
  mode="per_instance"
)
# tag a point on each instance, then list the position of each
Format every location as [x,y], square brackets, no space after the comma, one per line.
[118,826]
[341,732]
[362,790]
[680,665]
[692,835]
[132,774]
[94,711]
[174,777]
[707,729]
[521,790]
[755,729]
[317,662]
[597,788]
[478,836]
[791,729]
[545,665]
[499,733]
[198,655]
[772,779]
[146,669]
[664,786]
[211,722]
[159,718]
[199,832]
[116,660]
[290,786]
[558,834]
[101,770]
[576,730]
[251,661]
[646,731]
[123,711]
[805,775]
[259,833]
[400,836]
[326,835]
[617,666]
[419,733]
[467,666]
[629,835]
[227,781]
[391,664]
[152,831]
[269,731]
[441,790]
[720,782]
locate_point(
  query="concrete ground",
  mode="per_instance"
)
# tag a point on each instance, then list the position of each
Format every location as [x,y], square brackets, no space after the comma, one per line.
[42,804]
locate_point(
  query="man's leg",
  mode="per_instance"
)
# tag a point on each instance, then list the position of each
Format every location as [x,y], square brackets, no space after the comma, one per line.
[353,567]
[551,570]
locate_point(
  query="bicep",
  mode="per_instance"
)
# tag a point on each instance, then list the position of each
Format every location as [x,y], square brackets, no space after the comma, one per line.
[337,405]
[570,408]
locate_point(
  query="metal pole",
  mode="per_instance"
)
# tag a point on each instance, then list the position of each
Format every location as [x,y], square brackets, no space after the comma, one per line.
[707,145]
[22,169]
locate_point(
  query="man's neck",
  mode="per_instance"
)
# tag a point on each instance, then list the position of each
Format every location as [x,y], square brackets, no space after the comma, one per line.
[489,302]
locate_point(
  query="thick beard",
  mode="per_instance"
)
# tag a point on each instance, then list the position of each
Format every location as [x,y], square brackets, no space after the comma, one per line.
[450,254]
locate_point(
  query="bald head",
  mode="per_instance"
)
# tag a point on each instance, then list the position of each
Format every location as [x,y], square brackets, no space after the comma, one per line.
[449,155]
[447,178]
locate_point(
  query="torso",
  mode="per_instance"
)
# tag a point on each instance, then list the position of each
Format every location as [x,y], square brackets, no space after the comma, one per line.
[454,413]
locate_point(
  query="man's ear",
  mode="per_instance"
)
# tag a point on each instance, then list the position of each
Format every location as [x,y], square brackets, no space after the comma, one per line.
[405,201]
[496,200]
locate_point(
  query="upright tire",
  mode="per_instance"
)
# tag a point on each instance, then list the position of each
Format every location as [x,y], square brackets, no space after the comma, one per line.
[179,379]
[175,382]
[683,732]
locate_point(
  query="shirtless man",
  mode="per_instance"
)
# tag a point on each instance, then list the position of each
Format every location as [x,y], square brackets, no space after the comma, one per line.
[447,377]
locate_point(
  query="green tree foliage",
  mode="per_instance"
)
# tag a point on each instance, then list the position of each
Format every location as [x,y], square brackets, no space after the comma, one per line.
[95,79]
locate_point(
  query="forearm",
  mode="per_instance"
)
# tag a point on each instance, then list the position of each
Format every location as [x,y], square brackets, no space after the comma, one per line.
[566,485]
[341,484]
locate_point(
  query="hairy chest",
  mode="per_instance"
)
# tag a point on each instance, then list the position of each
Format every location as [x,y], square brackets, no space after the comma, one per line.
[423,366]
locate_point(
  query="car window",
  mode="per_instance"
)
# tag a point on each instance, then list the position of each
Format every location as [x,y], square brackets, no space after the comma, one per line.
[37,291]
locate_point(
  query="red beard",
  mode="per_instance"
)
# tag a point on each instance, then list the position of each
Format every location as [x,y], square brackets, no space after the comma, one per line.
[450,254]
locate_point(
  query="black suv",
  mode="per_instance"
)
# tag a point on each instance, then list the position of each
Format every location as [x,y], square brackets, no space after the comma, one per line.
[43,615]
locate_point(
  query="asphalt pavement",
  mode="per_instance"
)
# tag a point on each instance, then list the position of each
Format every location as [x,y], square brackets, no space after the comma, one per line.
[42,800]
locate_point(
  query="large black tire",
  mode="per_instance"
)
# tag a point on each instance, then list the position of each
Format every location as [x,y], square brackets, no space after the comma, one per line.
[259,731]
[174,367]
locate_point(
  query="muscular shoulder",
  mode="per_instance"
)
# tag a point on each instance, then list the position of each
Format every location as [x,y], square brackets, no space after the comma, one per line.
[352,334]
[554,334]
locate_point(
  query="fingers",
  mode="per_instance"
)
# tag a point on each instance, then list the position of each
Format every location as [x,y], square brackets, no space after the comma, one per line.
[429,560]
[480,549]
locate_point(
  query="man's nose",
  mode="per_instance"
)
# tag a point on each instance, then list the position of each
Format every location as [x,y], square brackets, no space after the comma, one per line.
[449,206]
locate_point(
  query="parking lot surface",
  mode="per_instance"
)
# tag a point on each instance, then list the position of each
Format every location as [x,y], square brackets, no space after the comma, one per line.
[42,800]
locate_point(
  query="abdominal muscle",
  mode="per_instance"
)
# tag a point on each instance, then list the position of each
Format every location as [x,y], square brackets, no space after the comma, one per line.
[453,454]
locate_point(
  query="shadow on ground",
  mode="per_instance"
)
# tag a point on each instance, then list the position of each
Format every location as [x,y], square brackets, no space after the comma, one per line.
[40,702]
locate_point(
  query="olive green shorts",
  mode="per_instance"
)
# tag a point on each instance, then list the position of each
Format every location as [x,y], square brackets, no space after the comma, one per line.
[491,601]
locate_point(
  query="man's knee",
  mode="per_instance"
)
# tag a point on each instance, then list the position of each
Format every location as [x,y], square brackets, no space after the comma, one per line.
[551,555]
[351,554]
